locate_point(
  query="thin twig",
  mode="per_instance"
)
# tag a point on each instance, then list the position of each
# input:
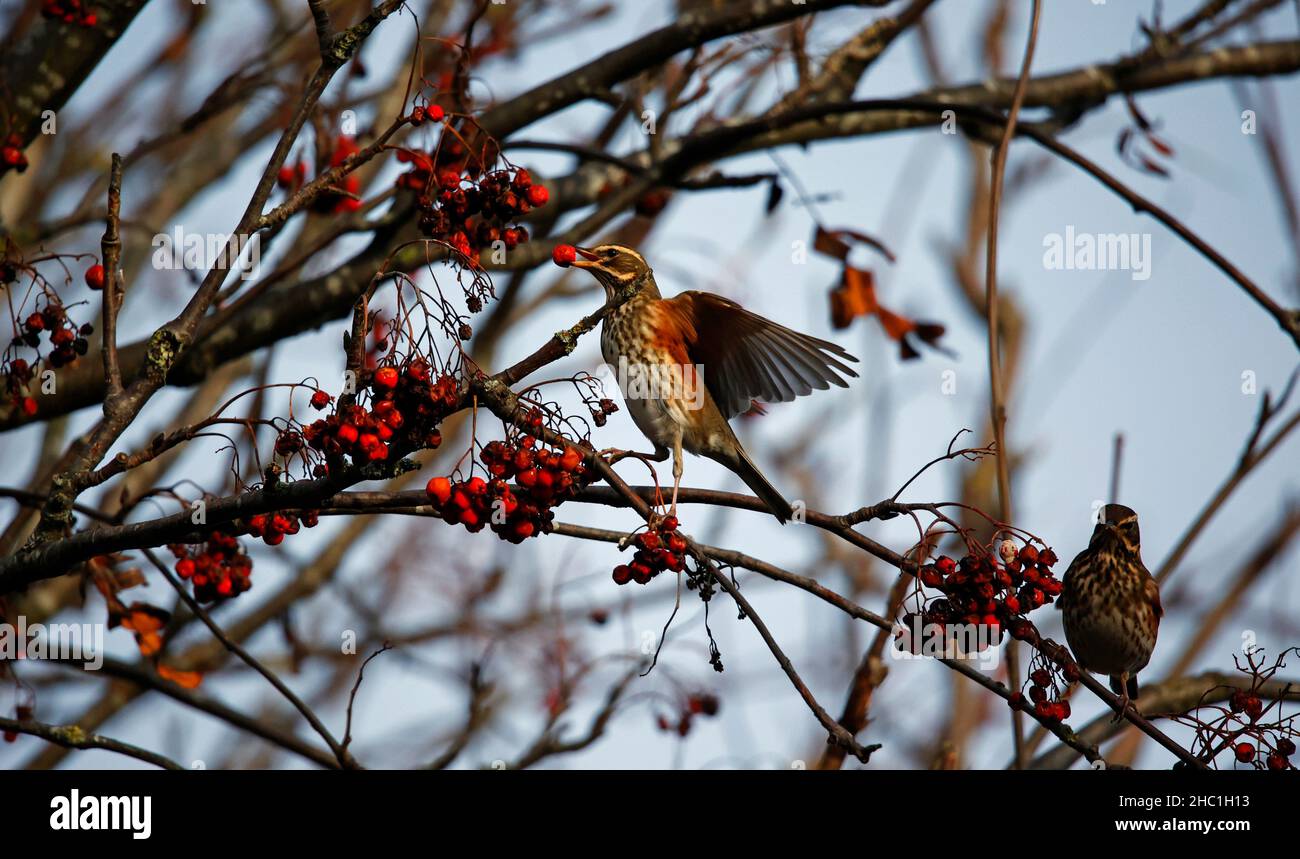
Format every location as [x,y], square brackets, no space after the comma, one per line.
[997,395]
[73,737]
[111,250]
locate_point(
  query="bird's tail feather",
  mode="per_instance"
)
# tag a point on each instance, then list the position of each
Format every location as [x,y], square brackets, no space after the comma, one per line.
[754,479]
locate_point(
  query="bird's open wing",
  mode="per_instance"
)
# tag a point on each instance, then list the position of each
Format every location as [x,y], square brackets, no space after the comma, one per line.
[747,357]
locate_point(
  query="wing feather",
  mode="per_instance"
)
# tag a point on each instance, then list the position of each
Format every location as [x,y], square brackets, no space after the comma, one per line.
[747,357]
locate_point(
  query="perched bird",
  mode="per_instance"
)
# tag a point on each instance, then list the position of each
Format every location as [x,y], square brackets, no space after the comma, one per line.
[660,348]
[1111,604]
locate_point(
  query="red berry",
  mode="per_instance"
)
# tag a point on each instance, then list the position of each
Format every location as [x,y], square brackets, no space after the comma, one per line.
[347,434]
[1276,762]
[570,459]
[185,568]
[622,574]
[95,277]
[1254,707]
[320,400]
[386,377]
[439,489]
[286,177]
[1245,752]
[538,195]
[564,255]
[434,113]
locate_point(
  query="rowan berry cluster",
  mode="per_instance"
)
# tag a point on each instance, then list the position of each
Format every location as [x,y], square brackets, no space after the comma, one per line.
[12,156]
[658,549]
[66,337]
[331,201]
[69,12]
[698,704]
[1279,758]
[1273,750]
[543,478]
[272,528]
[470,214]
[218,569]
[405,407]
[995,593]
[18,375]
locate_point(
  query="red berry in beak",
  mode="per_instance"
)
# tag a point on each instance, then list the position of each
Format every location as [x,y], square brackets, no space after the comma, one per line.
[564,255]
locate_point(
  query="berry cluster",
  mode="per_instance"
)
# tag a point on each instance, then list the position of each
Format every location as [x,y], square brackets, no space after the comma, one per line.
[12,156]
[329,201]
[69,12]
[1279,757]
[1045,695]
[659,548]
[602,410]
[978,590]
[218,570]
[698,704]
[272,528]
[406,406]
[18,374]
[1276,760]
[67,338]
[470,215]
[543,478]
[422,114]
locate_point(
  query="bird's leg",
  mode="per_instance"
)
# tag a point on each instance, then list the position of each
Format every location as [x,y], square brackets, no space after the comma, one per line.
[1123,698]
[677,469]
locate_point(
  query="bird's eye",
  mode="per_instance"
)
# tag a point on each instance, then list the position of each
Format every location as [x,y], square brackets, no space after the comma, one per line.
[611,253]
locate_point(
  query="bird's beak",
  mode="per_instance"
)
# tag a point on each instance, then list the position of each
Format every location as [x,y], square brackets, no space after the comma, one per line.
[588,258]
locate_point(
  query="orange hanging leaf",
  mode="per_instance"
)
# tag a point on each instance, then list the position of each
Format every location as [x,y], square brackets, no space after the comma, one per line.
[184,679]
[146,622]
[854,297]
[835,243]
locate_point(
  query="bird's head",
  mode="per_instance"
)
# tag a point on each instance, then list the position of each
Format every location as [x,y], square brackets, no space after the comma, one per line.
[1118,524]
[619,269]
